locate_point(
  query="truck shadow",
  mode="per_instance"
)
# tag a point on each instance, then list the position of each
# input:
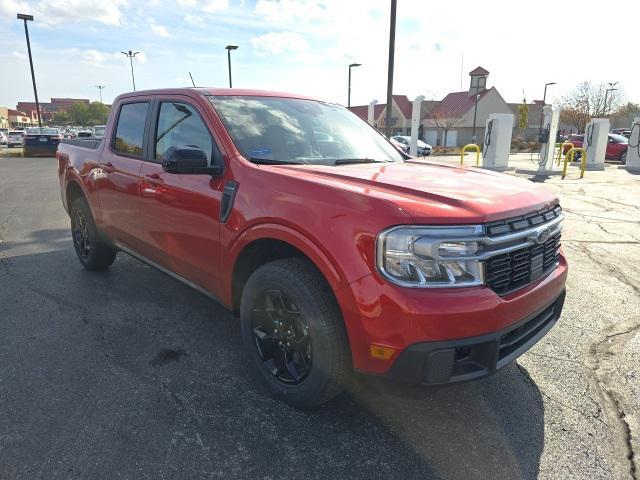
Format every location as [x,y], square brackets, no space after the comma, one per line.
[132,360]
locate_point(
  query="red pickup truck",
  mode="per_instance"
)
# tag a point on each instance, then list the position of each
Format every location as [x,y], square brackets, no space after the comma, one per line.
[337,251]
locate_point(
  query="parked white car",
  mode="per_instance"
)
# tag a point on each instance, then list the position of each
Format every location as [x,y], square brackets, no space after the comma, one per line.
[424,149]
[14,139]
[3,138]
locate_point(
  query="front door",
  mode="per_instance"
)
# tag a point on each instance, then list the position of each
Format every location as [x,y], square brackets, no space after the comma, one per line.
[181,223]
[119,173]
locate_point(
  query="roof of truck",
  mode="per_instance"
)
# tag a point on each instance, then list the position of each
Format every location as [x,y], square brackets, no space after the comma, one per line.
[216,92]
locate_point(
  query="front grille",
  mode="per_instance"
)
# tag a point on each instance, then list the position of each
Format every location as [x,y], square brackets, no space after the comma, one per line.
[515,224]
[510,271]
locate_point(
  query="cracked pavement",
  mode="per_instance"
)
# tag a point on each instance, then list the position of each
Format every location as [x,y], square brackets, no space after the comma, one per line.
[128,374]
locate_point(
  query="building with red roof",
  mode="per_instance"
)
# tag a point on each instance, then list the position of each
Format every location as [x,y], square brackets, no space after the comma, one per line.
[450,121]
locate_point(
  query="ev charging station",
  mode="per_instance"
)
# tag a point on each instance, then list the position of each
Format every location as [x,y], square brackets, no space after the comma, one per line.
[370,110]
[415,125]
[633,152]
[595,141]
[497,142]
[547,138]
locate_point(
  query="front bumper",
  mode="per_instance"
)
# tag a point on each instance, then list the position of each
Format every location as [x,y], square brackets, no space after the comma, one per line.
[451,361]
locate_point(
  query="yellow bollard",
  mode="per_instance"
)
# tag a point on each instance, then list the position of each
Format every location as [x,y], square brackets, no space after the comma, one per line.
[562,148]
[470,146]
[569,157]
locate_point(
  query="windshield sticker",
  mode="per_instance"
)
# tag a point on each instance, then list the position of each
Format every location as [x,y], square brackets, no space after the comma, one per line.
[260,153]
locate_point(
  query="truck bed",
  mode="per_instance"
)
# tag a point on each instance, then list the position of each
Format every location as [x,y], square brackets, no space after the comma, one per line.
[90,143]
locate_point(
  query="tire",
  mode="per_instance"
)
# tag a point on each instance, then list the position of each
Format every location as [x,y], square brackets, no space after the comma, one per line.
[92,252]
[623,158]
[289,301]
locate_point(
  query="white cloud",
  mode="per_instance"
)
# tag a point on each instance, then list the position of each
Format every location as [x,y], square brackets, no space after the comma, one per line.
[288,10]
[194,20]
[108,12]
[274,43]
[208,6]
[212,6]
[18,55]
[160,30]
[95,58]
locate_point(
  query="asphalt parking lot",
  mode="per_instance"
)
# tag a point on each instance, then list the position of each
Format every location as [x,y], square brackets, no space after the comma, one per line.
[129,374]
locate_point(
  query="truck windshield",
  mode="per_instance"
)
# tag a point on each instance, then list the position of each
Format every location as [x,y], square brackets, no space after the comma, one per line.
[291,130]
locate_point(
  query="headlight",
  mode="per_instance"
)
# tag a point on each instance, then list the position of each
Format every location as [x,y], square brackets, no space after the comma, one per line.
[430,257]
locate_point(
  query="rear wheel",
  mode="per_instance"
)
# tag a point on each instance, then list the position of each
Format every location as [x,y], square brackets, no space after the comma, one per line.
[92,252]
[623,157]
[293,329]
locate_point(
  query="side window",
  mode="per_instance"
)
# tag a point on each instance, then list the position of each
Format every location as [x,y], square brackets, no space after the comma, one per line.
[130,129]
[181,124]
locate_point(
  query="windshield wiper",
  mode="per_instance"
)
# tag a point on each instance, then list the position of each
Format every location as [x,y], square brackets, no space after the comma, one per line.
[272,161]
[347,161]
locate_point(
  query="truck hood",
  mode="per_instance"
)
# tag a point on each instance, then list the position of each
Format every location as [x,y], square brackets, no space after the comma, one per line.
[433,192]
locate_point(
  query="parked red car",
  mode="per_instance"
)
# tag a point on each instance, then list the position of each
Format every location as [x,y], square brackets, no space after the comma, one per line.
[616,148]
[336,251]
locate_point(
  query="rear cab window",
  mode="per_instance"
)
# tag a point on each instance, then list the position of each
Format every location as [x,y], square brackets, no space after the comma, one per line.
[129,132]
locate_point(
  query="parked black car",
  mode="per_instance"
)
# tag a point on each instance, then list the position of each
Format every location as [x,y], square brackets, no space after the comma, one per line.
[40,140]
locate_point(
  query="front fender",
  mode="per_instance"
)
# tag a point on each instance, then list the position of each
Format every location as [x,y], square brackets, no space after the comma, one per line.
[307,245]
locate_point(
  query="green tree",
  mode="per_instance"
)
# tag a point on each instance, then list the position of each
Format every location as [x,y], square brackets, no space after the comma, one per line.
[523,115]
[98,113]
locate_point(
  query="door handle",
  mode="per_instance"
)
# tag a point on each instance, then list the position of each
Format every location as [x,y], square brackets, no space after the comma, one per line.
[107,167]
[149,184]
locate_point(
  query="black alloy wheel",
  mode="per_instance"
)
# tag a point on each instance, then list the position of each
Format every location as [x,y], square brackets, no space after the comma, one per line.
[81,237]
[282,337]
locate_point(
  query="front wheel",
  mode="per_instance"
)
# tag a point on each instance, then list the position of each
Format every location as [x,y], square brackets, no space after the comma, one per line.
[623,158]
[294,331]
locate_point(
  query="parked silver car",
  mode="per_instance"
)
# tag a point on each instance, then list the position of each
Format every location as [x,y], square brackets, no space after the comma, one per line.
[14,139]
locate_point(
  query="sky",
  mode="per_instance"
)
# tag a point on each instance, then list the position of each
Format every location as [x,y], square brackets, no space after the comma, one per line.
[305,46]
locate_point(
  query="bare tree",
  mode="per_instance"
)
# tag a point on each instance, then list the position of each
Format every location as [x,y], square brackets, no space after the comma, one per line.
[587,101]
[445,123]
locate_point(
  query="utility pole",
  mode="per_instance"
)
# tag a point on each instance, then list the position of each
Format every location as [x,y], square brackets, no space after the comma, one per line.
[131,56]
[349,94]
[228,48]
[29,18]
[392,47]
[100,87]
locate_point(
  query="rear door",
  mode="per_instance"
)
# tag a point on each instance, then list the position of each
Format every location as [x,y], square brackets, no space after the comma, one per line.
[119,171]
[181,225]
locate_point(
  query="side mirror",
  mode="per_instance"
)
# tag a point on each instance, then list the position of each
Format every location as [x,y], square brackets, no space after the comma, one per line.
[188,159]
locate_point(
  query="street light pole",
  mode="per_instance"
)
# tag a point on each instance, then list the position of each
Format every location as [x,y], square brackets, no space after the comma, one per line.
[349,94]
[544,102]
[100,87]
[131,56]
[228,48]
[392,47]
[606,95]
[29,18]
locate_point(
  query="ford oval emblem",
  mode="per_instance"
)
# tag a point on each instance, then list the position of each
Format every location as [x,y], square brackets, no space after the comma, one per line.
[543,235]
